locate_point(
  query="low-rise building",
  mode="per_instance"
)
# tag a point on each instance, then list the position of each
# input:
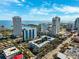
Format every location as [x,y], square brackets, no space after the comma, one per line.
[3,28]
[19,56]
[37,44]
[70,53]
[73,52]
[11,52]
[63,56]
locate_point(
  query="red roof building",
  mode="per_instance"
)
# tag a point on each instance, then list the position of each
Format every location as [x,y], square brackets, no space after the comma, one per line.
[20,56]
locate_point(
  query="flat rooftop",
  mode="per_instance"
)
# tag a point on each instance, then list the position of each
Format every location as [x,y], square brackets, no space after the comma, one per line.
[73,51]
[28,28]
[20,56]
[10,51]
[41,41]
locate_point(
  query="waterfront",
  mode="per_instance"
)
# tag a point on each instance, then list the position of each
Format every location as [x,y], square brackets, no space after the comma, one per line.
[8,23]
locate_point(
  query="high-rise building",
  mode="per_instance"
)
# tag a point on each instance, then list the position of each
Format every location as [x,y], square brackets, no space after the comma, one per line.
[77,24]
[55,25]
[44,26]
[29,33]
[17,26]
[69,26]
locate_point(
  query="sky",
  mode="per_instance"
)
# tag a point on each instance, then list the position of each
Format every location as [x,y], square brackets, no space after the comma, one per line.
[39,10]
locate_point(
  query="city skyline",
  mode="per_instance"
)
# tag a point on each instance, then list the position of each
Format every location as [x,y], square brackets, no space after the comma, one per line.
[34,10]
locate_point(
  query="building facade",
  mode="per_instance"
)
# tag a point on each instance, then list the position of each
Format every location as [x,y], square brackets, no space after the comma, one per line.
[70,26]
[29,33]
[55,25]
[44,27]
[77,24]
[17,26]
[37,44]
[9,53]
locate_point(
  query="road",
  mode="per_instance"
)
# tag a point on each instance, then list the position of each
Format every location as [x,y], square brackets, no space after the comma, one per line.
[53,52]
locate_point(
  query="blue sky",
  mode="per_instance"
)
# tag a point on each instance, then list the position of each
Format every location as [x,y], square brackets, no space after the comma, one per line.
[39,10]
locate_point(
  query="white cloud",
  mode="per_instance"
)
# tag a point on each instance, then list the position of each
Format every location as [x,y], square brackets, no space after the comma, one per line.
[66,9]
[46,4]
[40,11]
[8,2]
[44,13]
[68,18]
[15,1]
[19,4]
[8,15]
[39,14]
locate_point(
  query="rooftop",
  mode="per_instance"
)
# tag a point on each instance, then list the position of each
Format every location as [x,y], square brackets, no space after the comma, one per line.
[20,56]
[10,51]
[28,28]
[73,52]
[41,41]
[61,55]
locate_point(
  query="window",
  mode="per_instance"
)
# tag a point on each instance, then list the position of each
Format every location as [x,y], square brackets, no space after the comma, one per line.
[29,33]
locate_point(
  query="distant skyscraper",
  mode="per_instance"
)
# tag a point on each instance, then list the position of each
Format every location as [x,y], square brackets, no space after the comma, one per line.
[17,26]
[29,33]
[70,26]
[55,25]
[77,24]
[44,27]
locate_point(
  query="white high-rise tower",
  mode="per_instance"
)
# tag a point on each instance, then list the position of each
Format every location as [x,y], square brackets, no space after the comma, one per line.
[55,25]
[77,24]
[17,26]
